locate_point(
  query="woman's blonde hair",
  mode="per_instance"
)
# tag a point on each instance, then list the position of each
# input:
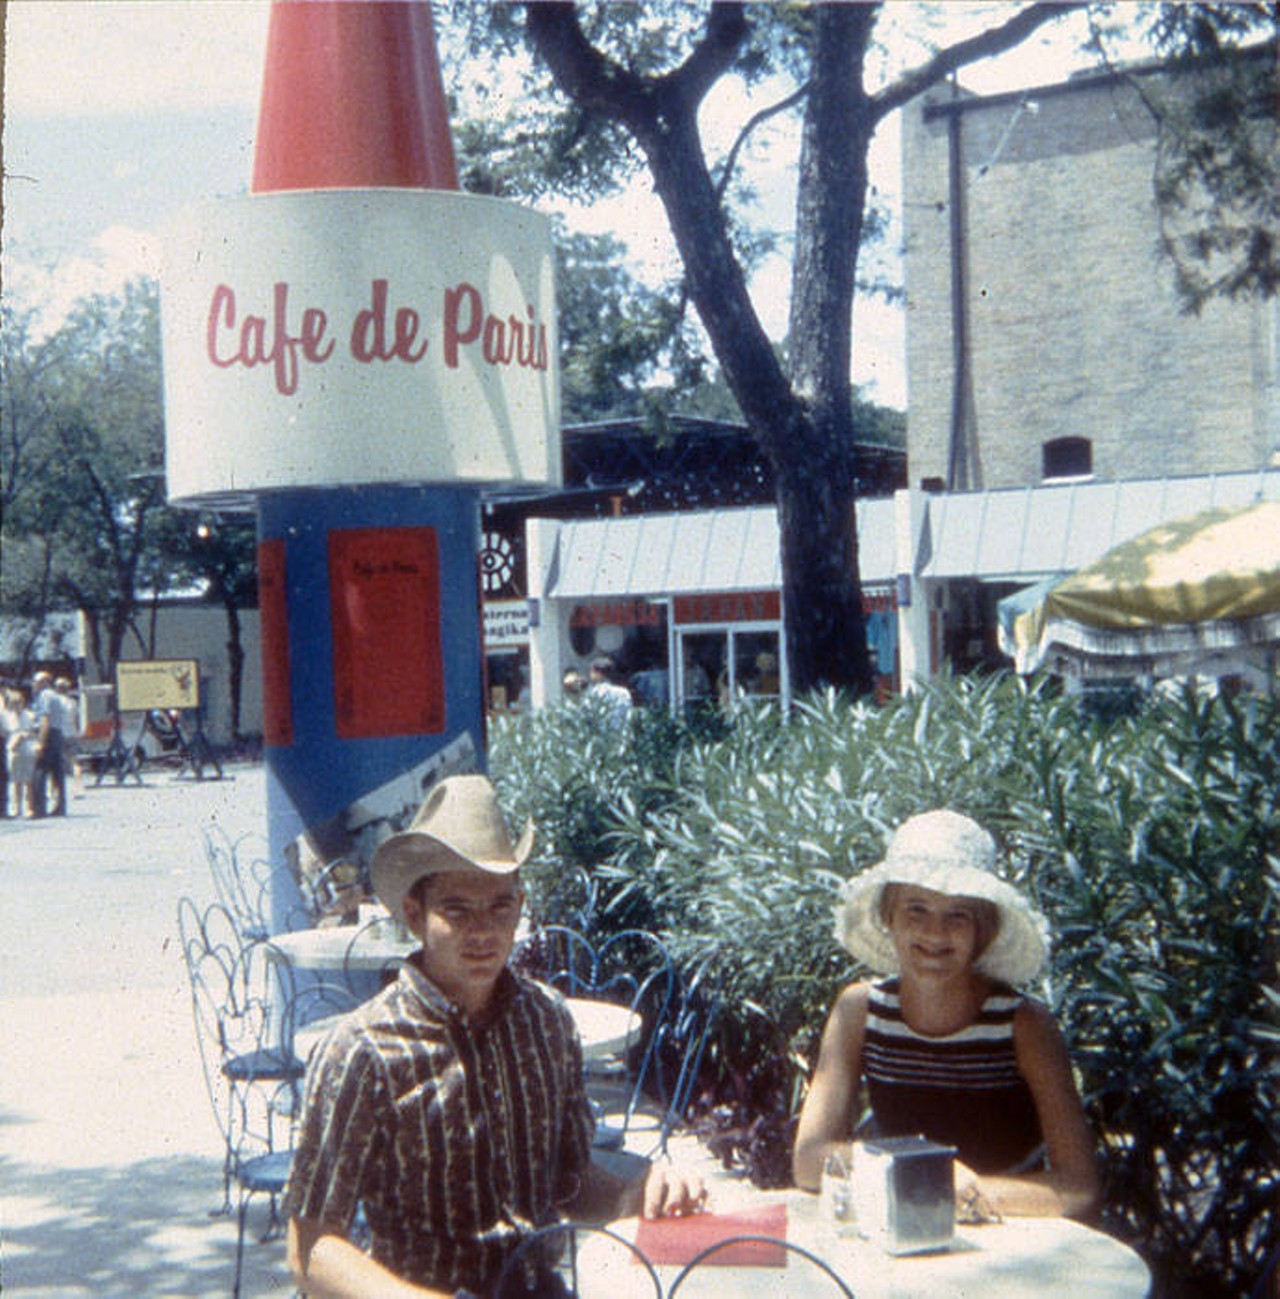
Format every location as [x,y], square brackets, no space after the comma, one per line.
[986,915]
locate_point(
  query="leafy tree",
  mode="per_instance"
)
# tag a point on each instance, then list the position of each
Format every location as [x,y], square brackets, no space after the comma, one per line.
[83,446]
[801,413]
[219,552]
[633,82]
[618,338]
[1217,178]
[28,463]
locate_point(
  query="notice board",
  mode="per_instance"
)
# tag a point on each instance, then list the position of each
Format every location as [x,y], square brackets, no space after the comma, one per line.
[388,667]
[157,683]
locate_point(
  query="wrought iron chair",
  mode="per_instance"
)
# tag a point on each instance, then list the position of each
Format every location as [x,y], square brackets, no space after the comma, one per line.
[631,968]
[252,1073]
[241,878]
[366,965]
[546,1264]
[706,1259]
[679,1051]
[337,889]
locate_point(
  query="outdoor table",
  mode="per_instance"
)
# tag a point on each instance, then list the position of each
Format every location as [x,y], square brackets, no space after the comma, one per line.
[1044,1257]
[604,1027]
[324,950]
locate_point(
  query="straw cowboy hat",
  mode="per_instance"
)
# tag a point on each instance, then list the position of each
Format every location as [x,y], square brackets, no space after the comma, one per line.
[950,854]
[458,827]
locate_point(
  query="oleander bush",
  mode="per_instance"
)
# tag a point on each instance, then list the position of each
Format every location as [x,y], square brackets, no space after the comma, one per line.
[1151,840]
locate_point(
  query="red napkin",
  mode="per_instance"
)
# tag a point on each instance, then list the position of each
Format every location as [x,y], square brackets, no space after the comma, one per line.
[678,1240]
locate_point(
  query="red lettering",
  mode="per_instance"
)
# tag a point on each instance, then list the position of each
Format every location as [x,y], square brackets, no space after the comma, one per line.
[495,342]
[263,343]
[369,329]
[455,300]
[369,340]
[222,310]
[407,322]
[502,342]
[314,323]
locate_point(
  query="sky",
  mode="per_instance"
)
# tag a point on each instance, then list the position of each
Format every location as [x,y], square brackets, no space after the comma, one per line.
[119,113]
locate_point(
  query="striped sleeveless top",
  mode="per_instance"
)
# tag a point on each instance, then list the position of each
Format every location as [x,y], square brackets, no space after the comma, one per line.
[963,1089]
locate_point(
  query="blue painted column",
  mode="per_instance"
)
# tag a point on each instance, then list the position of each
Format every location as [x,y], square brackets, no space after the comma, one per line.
[359,348]
[372,647]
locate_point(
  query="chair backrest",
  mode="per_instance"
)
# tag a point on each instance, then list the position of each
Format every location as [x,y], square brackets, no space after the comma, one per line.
[706,1260]
[680,1048]
[631,968]
[558,1250]
[207,931]
[240,1001]
[367,955]
[334,889]
[241,878]
[559,956]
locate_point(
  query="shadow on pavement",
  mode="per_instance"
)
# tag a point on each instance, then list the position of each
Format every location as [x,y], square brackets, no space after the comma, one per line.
[122,1231]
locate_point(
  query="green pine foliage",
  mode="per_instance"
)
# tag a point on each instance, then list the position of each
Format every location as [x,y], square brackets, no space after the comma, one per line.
[1151,841]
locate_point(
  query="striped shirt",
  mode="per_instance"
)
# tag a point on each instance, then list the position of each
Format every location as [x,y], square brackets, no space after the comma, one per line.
[963,1089]
[455,1137]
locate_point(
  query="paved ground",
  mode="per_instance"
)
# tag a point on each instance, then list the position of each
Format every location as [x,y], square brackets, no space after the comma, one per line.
[109,1155]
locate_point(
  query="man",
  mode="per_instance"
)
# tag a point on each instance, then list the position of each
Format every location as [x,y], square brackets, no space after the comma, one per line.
[614,697]
[69,725]
[47,710]
[450,1108]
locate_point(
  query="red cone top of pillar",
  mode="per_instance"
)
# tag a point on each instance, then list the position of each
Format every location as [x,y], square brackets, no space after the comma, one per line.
[352,98]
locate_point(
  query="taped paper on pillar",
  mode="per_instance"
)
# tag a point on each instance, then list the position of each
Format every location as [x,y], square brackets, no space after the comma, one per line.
[388,668]
[273,609]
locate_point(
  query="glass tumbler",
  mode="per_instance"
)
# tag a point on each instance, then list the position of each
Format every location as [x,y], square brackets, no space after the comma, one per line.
[835,1198]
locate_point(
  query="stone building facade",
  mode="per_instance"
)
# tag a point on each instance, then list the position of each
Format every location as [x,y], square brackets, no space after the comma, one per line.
[1045,338]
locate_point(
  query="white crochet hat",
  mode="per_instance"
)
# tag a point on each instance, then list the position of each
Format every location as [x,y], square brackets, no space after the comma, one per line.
[950,854]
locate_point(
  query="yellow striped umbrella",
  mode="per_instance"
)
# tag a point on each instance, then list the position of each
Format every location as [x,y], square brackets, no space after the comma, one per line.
[1197,587]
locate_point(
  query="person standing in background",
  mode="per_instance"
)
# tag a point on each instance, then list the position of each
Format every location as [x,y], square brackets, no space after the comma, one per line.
[69,704]
[609,690]
[47,711]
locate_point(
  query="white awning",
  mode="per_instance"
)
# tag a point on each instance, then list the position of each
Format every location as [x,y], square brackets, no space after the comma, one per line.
[1029,533]
[702,550]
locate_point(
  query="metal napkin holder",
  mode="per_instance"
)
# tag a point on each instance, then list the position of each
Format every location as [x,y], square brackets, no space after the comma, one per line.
[904,1193]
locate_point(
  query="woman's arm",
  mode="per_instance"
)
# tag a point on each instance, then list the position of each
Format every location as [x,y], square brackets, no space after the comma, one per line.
[1070,1187]
[827,1119]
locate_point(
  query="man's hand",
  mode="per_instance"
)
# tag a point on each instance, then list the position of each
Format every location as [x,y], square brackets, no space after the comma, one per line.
[670,1191]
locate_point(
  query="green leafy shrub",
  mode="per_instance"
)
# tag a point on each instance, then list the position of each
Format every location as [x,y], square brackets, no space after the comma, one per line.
[1150,839]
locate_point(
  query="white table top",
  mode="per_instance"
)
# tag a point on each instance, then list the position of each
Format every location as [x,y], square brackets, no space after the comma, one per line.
[1041,1257]
[327,948]
[605,1028]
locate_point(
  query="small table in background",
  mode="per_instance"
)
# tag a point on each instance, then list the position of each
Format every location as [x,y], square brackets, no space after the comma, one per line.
[605,1028]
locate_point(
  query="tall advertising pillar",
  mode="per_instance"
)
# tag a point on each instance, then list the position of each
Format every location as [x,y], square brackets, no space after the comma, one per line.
[356,350]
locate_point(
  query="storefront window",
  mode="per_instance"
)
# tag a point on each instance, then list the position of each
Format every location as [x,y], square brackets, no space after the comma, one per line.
[755,660]
[702,663]
[728,664]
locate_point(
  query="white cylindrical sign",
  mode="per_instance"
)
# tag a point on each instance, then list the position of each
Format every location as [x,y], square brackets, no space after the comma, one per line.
[342,337]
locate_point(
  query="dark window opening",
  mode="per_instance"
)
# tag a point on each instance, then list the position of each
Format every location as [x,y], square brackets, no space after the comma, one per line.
[1068,458]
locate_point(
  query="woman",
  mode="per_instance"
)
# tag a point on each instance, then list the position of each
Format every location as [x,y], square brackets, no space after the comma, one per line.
[21,743]
[945,1044]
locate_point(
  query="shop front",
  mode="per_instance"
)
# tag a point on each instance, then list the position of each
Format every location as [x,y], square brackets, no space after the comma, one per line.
[689,606]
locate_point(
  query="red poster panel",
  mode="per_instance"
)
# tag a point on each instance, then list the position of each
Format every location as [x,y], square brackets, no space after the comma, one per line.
[388,667]
[273,614]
